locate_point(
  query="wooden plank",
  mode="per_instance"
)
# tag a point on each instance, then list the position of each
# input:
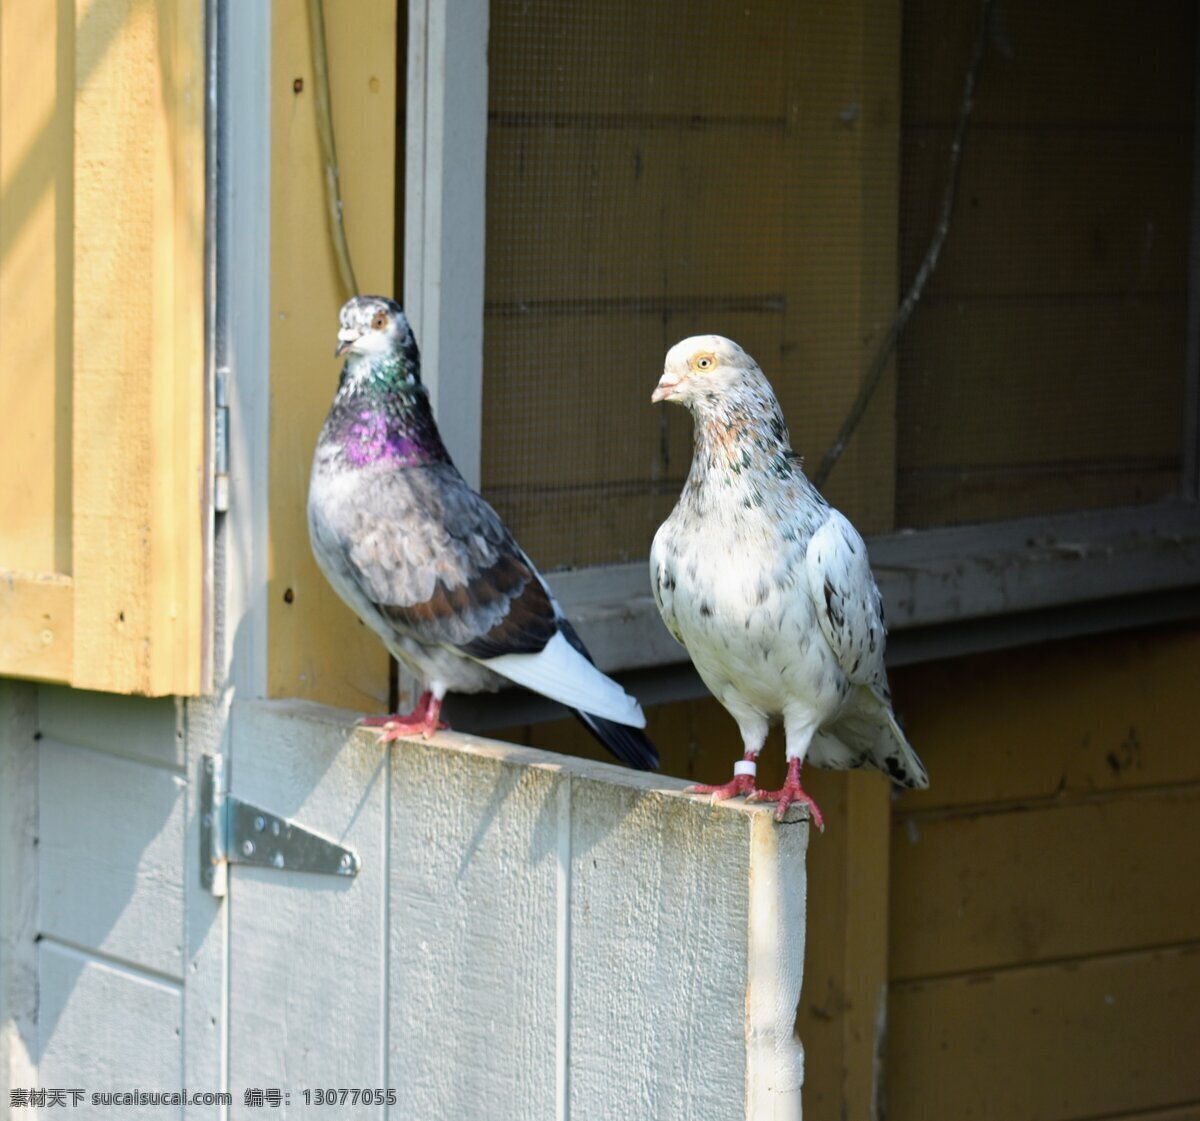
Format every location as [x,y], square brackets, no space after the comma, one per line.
[656,892]
[1094,714]
[307,956]
[104,1028]
[36,638]
[583,63]
[941,575]
[18,887]
[681,951]
[35,283]
[1128,68]
[473,1001]
[145,730]
[949,576]
[999,889]
[110,857]
[1044,212]
[316,649]
[1093,1038]
[138,345]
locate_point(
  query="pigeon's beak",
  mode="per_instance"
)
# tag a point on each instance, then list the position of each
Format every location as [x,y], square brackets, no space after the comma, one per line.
[346,339]
[667,385]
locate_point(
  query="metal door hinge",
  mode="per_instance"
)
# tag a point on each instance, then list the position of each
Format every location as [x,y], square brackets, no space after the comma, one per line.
[236,832]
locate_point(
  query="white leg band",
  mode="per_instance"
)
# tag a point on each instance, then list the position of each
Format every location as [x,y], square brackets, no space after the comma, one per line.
[745,767]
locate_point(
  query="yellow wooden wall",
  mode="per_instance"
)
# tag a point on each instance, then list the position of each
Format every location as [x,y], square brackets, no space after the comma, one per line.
[1044,951]
[317,648]
[103,518]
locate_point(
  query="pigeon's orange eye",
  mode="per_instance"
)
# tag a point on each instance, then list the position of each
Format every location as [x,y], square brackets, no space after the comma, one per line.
[703,362]
[380,321]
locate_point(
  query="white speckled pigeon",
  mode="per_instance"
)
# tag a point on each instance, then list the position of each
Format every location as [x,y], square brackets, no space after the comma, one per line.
[769,588]
[426,563]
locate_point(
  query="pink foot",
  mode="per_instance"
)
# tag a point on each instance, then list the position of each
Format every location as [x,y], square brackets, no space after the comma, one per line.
[422,721]
[741,783]
[791,791]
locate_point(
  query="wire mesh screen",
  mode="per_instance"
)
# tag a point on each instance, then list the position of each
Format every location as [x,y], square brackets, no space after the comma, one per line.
[1044,370]
[773,171]
[662,170]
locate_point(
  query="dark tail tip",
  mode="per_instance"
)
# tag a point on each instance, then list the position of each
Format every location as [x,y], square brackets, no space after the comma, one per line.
[630,745]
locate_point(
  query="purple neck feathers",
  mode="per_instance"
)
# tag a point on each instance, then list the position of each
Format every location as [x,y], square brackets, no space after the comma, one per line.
[371,436]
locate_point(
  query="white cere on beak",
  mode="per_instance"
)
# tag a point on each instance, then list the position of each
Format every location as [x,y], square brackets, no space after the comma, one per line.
[347,337]
[666,385]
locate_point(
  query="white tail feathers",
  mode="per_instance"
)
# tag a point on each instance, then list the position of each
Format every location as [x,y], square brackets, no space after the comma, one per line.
[561,673]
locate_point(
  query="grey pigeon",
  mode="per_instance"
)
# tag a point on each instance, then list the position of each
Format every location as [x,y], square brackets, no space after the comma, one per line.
[426,563]
[768,587]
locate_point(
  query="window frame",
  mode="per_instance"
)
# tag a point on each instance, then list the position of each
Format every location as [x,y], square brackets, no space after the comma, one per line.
[946,591]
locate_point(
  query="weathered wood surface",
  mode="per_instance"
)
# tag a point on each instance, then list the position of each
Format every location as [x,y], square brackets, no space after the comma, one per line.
[1044,919]
[101,346]
[1092,1038]
[531,935]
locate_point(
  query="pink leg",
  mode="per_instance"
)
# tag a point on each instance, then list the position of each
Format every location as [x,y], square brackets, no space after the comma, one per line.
[423,720]
[791,791]
[741,783]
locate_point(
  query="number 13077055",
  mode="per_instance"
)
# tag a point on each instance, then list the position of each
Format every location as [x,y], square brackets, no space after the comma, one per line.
[349,1097]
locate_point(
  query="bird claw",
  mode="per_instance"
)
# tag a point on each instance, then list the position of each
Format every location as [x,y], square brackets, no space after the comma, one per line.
[405,729]
[738,785]
[788,794]
[422,721]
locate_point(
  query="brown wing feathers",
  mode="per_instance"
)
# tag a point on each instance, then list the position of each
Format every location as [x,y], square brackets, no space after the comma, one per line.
[456,615]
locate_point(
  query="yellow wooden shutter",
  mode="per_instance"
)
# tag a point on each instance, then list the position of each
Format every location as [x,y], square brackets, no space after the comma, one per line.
[102,486]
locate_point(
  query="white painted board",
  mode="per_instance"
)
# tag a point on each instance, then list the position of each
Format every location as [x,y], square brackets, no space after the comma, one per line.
[110,856]
[530,936]
[107,1028]
[306,952]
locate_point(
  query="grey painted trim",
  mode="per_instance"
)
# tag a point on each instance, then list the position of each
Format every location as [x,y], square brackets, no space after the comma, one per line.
[212,193]
[243,320]
[444,192]
[937,577]
[947,592]
[679,681]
